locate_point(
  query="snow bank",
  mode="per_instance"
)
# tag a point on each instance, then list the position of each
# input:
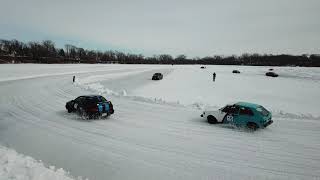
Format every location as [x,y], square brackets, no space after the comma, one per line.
[20,167]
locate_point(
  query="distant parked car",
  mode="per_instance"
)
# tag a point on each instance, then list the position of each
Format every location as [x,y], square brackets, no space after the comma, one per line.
[202,67]
[243,114]
[92,106]
[272,74]
[157,76]
[235,71]
[271,69]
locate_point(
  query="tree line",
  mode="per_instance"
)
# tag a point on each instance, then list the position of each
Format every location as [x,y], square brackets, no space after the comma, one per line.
[14,51]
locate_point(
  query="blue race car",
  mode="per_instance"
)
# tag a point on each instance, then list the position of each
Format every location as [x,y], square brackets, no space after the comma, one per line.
[92,106]
[252,116]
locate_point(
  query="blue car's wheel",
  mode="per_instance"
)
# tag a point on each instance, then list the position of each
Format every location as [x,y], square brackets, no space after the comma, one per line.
[82,113]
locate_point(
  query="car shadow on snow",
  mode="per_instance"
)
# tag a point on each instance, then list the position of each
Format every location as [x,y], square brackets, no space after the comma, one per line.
[77,117]
[222,126]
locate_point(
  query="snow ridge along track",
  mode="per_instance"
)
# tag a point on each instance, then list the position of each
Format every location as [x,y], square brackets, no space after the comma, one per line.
[17,166]
[145,139]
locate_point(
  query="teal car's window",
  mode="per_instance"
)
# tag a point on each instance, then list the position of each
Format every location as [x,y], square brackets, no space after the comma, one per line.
[262,111]
[226,109]
[231,109]
[234,110]
[245,111]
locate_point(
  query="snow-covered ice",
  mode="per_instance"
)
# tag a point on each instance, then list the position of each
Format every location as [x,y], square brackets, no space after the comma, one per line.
[156,131]
[296,91]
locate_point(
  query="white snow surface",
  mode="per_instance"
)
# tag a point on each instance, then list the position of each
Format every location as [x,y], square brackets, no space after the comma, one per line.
[156,131]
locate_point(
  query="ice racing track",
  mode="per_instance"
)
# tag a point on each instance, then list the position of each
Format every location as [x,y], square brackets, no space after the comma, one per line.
[146,140]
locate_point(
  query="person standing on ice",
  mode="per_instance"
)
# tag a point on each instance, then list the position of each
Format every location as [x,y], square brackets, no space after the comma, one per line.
[214,76]
[74,78]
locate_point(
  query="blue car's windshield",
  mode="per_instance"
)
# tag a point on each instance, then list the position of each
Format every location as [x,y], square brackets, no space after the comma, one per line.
[95,100]
[263,111]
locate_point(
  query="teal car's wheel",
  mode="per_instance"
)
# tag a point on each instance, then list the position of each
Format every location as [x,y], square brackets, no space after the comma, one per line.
[252,126]
[211,119]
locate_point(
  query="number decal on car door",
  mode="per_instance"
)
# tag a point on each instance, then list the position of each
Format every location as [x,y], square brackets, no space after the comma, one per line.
[230,118]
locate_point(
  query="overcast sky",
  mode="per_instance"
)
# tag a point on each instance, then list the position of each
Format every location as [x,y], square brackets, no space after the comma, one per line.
[195,28]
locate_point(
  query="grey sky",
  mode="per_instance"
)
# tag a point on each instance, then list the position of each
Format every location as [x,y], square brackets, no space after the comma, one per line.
[194,28]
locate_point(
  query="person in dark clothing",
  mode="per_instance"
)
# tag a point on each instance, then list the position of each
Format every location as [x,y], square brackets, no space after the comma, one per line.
[214,76]
[74,78]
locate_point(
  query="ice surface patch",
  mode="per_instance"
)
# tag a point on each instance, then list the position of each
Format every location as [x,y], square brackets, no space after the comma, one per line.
[20,167]
[124,93]
[98,88]
[280,113]
[112,76]
[190,85]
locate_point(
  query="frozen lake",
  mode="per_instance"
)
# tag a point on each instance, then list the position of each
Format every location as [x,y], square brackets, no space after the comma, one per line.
[156,131]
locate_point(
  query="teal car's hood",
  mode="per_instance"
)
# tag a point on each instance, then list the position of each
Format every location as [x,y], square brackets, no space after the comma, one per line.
[267,118]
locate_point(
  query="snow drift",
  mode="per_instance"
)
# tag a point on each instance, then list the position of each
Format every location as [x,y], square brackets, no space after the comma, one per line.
[20,167]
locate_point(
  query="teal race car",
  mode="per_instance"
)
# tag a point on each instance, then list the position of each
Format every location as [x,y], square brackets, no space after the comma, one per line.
[242,114]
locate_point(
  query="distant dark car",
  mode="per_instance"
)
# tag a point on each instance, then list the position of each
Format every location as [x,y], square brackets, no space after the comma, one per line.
[202,67]
[92,106]
[272,74]
[271,69]
[157,76]
[235,71]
